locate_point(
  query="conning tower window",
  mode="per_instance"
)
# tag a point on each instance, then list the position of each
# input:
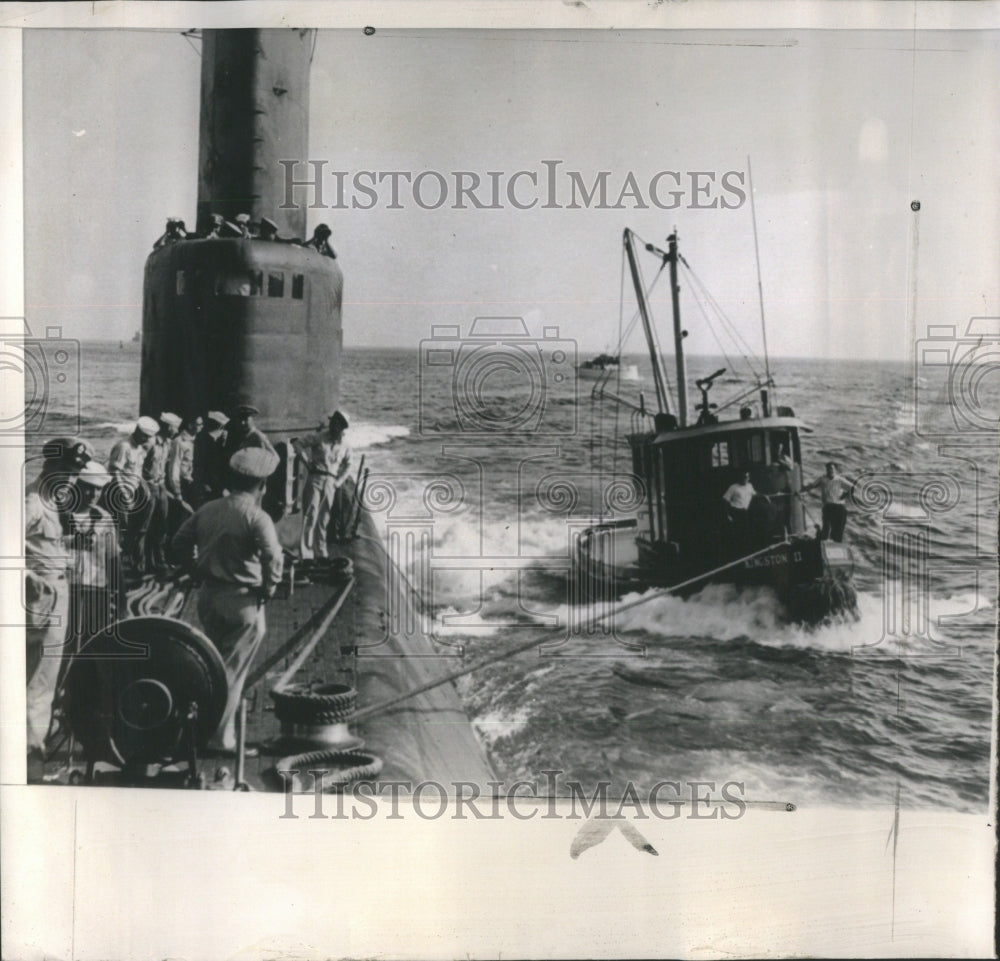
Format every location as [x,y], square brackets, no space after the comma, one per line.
[298,286]
[276,284]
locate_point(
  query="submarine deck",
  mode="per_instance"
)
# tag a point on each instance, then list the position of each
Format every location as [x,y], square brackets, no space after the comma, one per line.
[375,643]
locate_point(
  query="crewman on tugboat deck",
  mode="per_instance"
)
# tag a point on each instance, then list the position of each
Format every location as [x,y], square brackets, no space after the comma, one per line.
[738,498]
[238,562]
[739,495]
[328,459]
[834,489]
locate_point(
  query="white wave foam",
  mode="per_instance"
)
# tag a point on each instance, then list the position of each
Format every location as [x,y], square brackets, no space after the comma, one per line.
[362,436]
[720,611]
[451,622]
[723,612]
[122,427]
[898,509]
[495,725]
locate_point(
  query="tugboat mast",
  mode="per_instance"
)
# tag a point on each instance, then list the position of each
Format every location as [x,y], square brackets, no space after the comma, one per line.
[670,256]
[679,334]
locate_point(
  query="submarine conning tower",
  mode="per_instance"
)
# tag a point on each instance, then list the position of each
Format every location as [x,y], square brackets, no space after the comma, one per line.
[230,320]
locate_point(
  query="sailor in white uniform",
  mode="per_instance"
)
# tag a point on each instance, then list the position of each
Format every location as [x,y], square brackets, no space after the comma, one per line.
[328,460]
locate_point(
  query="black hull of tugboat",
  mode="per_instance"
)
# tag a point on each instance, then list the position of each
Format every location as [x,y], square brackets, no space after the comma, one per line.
[811,578]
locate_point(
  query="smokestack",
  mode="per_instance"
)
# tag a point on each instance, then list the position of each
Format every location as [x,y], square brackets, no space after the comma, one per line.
[254,112]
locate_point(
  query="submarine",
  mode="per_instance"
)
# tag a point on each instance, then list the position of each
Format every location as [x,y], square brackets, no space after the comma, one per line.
[347,682]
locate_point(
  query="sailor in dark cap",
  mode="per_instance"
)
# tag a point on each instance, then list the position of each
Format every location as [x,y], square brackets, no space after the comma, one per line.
[208,470]
[241,431]
[233,549]
[328,460]
[70,453]
[320,241]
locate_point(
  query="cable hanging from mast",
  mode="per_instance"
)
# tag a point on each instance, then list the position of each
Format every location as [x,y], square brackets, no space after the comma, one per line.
[746,351]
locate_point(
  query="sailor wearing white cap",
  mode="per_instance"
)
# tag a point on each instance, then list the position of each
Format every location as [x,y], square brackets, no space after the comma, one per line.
[208,470]
[268,229]
[129,496]
[97,591]
[154,472]
[179,478]
[239,564]
[328,460]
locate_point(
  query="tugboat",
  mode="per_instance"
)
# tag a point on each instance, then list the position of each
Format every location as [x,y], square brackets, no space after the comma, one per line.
[606,367]
[685,535]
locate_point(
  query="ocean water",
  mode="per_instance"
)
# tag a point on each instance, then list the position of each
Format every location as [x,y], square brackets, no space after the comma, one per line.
[490,474]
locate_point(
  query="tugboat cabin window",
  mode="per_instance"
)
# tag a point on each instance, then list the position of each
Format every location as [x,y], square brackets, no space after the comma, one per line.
[747,449]
[781,441]
[298,286]
[720,454]
[276,285]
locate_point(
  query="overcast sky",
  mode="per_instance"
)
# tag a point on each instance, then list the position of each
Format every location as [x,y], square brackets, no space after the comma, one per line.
[844,130]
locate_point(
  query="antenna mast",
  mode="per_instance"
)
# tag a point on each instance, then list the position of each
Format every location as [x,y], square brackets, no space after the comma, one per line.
[760,286]
[679,334]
